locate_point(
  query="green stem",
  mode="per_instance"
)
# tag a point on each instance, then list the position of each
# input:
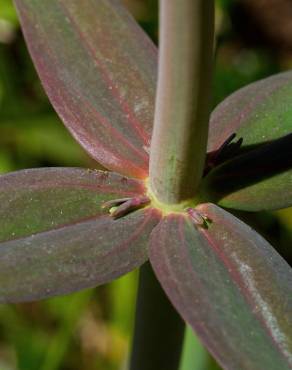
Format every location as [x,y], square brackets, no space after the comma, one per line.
[159,330]
[179,138]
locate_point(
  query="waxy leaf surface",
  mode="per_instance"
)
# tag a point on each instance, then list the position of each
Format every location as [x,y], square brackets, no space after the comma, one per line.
[56,238]
[259,175]
[99,71]
[230,285]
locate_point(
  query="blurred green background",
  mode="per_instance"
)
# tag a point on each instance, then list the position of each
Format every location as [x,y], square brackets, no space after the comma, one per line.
[92,329]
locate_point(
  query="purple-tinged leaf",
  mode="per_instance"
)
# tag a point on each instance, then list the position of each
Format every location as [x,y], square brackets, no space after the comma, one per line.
[257,180]
[230,285]
[56,238]
[99,71]
[259,113]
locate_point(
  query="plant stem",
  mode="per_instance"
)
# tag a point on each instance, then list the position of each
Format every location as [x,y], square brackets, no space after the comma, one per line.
[159,330]
[179,138]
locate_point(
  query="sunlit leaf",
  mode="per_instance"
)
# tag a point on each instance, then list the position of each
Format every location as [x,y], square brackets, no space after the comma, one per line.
[230,285]
[99,71]
[259,113]
[255,181]
[259,174]
[56,238]
[7,11]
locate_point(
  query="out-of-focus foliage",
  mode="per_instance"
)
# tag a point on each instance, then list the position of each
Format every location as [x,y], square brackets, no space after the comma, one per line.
[7,12]
[91,330]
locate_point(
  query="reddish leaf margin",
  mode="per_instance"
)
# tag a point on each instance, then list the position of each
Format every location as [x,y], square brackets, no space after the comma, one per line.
[230,285]
[56,238]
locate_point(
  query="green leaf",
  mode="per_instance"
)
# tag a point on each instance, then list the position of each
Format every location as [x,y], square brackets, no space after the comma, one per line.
[230,285]
[258,176]
[56,238]
[7,12]
[259,113]
[99,71]
[258,180]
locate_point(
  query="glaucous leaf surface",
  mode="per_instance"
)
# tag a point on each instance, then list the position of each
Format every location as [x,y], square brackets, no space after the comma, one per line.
[254,181]
[55,237]
[99,71]
[230,285]
[259,113]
